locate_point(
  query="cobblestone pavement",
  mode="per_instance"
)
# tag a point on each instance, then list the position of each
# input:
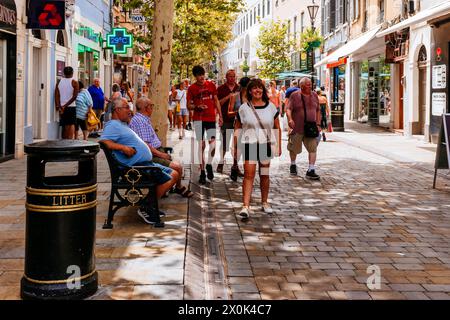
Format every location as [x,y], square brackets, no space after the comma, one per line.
[367,210]
[374,206]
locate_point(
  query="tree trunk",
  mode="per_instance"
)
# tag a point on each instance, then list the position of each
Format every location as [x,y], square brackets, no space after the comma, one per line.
[161,64]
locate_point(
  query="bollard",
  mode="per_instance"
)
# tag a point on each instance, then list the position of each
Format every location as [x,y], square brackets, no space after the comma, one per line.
[60,222]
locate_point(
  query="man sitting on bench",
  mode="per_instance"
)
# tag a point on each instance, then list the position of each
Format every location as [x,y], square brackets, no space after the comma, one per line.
[141,124]
[130,150]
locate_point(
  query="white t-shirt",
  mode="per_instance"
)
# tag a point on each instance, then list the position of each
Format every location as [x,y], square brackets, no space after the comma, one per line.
[181,95]
[251,130]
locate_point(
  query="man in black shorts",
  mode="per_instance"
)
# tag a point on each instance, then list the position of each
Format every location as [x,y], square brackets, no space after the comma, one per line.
[202,98]
[66,93]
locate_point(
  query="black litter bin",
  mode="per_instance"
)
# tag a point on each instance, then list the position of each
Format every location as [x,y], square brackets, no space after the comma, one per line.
[337,116]
[60,221]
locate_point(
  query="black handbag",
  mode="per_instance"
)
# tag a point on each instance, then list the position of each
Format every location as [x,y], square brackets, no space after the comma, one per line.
[310,129]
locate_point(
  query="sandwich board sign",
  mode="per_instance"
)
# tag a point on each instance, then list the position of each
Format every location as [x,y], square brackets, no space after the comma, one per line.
[443,148]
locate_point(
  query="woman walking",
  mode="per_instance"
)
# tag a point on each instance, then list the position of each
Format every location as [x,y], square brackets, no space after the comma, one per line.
[172,106]
[183,113]
[254,122]
[324,112]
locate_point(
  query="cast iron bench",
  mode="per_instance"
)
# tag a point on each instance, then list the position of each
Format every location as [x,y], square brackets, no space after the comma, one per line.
[137,187]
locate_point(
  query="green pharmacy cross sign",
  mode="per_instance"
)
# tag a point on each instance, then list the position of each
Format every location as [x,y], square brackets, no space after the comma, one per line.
[119,40]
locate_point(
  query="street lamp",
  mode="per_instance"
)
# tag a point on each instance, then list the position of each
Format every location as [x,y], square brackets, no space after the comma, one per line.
[312,10]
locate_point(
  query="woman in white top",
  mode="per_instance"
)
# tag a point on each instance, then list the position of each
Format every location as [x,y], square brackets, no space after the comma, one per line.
[183,113]
[254,123]
[172,107]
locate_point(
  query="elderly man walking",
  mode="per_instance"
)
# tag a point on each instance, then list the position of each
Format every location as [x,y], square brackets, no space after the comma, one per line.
[303,112]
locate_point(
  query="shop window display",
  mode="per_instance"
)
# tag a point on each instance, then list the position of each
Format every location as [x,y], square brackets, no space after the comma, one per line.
[88,64]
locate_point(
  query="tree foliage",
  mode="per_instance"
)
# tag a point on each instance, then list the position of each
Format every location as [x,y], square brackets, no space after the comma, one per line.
[274,49]
[202,28]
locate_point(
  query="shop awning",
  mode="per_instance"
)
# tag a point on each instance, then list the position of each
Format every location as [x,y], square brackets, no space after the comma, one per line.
[292,74]
[350,47]
[424,15]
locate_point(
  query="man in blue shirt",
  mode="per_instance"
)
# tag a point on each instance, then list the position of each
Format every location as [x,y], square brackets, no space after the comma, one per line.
[98,97]
[130,150]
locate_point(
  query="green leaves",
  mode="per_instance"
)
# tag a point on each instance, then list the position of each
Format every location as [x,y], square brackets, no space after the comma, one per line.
[202,28]
[274,49]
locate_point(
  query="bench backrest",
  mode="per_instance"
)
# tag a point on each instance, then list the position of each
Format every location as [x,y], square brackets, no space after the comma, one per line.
[115,167]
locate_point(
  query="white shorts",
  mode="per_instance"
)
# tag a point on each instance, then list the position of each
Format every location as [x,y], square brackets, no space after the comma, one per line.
[172,107]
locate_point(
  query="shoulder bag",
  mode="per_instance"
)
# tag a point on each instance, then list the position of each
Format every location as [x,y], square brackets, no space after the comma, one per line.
[270,144]
[310,128]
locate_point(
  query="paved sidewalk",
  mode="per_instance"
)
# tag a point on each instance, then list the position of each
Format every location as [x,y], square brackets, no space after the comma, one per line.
[392,145]
[368,210]
[134,260]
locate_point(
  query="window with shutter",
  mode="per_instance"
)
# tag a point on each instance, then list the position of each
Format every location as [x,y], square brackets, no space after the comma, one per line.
[268,7]
[332,14]
[351,11]
[356,8]
[341,12]
[322,15]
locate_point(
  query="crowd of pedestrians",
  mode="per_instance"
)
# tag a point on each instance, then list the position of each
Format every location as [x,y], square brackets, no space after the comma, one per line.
[248,116]
[246,112]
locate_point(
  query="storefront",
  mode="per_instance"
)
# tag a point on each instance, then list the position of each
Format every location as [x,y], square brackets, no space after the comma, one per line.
[440,65]
[88,49]
[8,19]
[374,103]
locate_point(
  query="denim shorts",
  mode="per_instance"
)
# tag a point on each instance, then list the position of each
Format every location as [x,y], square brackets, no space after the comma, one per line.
[183,112]
[162,176]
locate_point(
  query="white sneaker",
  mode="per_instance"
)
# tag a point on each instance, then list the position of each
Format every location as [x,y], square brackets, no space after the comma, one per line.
[267,208]
[245,213]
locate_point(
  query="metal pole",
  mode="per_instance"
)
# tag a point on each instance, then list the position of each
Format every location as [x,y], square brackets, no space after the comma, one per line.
[312,59]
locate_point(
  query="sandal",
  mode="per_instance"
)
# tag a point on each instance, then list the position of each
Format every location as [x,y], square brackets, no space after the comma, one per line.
[184,192]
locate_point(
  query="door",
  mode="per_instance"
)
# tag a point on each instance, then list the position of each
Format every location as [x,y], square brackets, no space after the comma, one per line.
[36,93]
[422,98]
[3,104]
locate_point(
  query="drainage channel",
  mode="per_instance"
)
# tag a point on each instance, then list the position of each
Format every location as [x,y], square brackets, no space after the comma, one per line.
[216,281]
[205,264]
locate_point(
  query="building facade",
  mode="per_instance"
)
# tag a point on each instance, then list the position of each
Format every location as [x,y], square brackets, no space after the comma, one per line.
[381,72]
[244,44]
[42,56]
[298,19]
[9,23]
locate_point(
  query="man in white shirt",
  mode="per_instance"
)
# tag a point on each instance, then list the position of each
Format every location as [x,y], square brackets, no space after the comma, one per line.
[66,93]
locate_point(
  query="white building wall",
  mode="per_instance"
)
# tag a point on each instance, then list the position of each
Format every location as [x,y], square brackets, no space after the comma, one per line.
[246,39]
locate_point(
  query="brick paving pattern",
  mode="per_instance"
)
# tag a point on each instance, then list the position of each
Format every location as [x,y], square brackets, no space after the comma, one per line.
[366,210]
[369,209]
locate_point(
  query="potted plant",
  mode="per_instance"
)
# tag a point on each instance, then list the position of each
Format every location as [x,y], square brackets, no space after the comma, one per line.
[310,39]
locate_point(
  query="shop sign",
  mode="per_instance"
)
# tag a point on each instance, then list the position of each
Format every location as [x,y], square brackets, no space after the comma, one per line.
[439,77]
[138,19]
[119,41]
[438,103]
[46,15]
[88,33]
[8,16]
